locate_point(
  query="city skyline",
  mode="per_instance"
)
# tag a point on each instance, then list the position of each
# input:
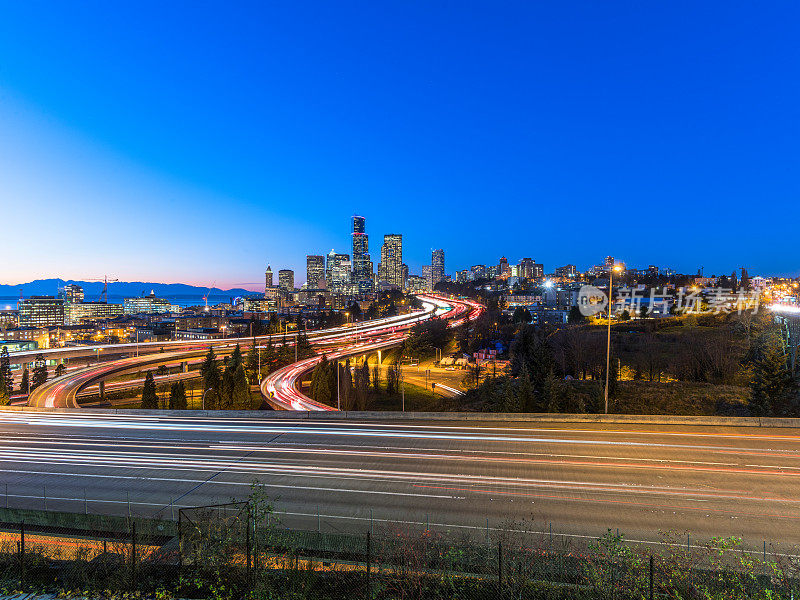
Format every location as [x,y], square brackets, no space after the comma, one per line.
[635,131]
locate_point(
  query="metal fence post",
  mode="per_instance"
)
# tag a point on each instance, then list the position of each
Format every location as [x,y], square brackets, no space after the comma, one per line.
[247,540]
[133,554]
[22,552]
[369,561]
[500,569]
[85,503]
[44,492]
[651,577]
[180,547]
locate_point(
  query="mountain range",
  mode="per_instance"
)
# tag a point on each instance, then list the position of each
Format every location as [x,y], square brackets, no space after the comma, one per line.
[93,289]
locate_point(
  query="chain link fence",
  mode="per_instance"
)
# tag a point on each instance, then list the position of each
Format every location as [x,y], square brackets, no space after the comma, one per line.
[242,549]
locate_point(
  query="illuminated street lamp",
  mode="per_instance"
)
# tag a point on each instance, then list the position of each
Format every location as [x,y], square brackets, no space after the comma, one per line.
[617,268]
[204,397]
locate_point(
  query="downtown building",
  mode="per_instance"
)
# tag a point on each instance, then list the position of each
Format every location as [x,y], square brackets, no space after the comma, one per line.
[391,268]
[76,313]
[337,272]
[437,267]
[286,280]
[41,311]
[315,271]
[362,265]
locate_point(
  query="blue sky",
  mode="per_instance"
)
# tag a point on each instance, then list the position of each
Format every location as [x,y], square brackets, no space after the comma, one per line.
[198,141]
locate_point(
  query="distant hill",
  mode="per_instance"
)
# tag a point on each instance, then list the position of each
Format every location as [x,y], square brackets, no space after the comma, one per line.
[93,289]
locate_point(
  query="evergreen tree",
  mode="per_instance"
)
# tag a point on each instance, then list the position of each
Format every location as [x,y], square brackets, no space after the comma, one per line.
[376,378]
[745,281]
[5,370]
[361,386]
[212,379]
[771,383]
[509,397]
[5,396]
[551,393]
[235,359]
[320,382]
[226,389]
[149,396]
[177,396]
[24,386]
[251,364]
[240,392]
[527,395]
[39,374]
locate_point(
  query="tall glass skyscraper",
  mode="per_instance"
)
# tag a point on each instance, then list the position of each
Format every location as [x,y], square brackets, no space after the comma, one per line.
[362,265]
[392,259]
[315,271]
[437,266]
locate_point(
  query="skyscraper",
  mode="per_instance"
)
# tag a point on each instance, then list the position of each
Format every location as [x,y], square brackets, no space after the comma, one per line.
[437,266]
[392,259]
[286,280]
[362,265]
[315,271]
[337,271]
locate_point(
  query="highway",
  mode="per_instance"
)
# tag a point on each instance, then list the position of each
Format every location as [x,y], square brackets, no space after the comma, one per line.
[62,392]
[280,387]
[455,475]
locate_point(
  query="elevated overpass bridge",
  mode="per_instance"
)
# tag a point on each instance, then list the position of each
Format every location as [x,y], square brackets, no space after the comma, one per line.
[62,392]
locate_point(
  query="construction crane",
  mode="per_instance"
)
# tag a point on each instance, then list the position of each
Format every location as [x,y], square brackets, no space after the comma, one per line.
[205,296]
[105,279]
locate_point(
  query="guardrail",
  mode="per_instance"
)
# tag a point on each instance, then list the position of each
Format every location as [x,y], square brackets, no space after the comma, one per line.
[553,418]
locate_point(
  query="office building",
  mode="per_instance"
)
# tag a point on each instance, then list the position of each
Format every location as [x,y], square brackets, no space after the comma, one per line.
[77,312]
[505,269]
[362,265]
[528,269]
[71,293]
[478,271]
[337,271]
[315,271]
[146,305]
[392,260]
[567,271]
[437,266]
[41,311]
[286,280]
[427,275]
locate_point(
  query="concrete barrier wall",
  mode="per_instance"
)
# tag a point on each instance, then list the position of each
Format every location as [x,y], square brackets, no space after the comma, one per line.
[553,418]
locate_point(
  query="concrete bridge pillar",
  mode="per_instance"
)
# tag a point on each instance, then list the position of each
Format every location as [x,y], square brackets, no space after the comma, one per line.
[184,367]
[379,358]
[102,389]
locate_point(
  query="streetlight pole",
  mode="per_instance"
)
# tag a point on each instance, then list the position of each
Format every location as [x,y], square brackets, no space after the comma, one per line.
[204,398]
[338,388]
[608,337]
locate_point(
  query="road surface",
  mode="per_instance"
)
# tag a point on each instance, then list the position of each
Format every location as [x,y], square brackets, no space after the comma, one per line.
[454,475]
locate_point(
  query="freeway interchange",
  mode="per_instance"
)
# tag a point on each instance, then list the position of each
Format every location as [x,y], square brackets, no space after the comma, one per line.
[350,471]
[369,336]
